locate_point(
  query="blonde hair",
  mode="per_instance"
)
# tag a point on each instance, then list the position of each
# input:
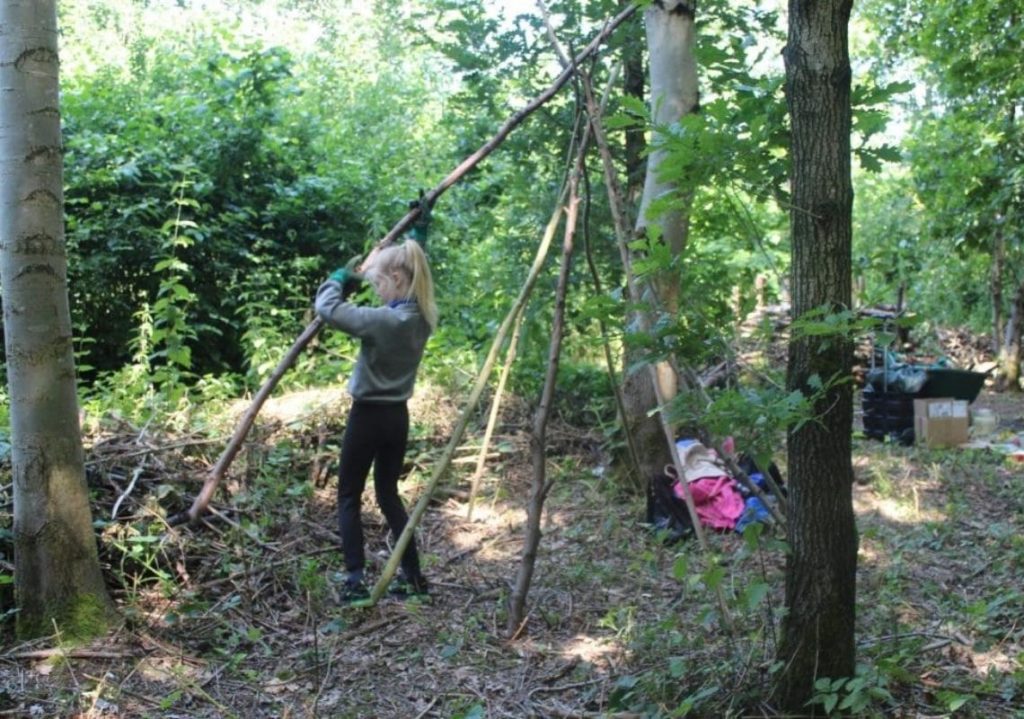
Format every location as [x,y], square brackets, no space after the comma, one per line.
[409,258]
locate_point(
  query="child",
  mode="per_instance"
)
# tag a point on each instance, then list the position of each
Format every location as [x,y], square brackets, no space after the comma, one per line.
[392,337]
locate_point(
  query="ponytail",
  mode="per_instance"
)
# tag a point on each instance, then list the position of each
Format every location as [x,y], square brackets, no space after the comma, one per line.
[410,259]
[422,287]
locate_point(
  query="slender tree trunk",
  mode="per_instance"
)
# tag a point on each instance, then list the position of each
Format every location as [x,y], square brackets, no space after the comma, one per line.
[633,85]
[998,261]
[818,629]
[1010,356]
[671,43]
[540,485]
[1009,351]
[57,571]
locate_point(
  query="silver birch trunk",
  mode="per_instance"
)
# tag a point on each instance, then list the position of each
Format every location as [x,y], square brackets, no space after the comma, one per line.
[671,43]
[57,571]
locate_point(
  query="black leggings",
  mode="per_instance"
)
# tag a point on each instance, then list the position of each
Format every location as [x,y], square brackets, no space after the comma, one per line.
[377,434]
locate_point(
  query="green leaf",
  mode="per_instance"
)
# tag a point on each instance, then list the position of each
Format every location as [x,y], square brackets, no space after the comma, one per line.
[830,702]
[954,700]
[714,576]
[634,105]
[680,567]
[752,534]
[755,594]
[627,682]
[620,121]
[449,650]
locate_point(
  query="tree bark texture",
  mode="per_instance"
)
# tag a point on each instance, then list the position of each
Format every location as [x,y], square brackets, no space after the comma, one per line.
[57,571]
[818,630]
[1013,345]
[671,45]
[540,484]
[633,85]
[998,255]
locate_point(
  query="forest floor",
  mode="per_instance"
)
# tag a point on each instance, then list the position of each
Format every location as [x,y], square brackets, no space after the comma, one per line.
[238,617]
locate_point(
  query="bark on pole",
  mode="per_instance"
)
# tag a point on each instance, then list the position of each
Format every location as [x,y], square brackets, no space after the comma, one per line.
[818,627]
[57,572]
[620,402]
[540,485]
[242,430]
[517,318]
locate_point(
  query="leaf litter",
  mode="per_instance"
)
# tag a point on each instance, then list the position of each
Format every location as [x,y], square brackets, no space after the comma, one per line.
[238,616]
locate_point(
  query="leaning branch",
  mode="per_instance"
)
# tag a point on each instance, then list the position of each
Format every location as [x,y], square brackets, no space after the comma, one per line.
[202,500]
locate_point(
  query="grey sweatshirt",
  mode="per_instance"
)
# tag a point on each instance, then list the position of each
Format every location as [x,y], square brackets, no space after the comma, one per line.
[391,337]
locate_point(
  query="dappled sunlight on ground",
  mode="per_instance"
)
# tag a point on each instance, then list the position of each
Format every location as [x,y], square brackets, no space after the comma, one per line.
[247,620]
[297,406]
[900,510]
[596,650]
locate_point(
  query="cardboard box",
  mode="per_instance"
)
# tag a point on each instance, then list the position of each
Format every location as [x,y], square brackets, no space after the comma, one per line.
[941,422]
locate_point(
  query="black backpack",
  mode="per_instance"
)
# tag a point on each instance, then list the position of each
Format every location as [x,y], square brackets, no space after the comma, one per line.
[667,514]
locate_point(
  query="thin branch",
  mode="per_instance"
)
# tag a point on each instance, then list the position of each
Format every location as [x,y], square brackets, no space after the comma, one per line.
[539,485]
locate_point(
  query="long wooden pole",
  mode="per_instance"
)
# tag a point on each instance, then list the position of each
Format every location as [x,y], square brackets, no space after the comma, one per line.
[516,316]
[215,475]
[540,484]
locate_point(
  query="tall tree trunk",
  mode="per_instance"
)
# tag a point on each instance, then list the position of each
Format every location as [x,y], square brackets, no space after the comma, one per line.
[818,629]
[633,85]
[1006,346]
[671,45]
[1010,355]
[998,261]
[57,571]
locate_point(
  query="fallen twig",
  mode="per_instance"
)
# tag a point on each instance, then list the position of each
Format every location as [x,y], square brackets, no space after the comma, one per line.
[128,490]
[154,450]
[72,654]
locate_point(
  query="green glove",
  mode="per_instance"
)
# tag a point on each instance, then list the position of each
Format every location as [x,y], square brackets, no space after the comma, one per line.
[340,275]
[348,272]
[347,278]
[422,222]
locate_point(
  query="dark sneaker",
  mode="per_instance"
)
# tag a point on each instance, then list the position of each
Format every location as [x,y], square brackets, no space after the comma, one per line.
[404,588]
[354,594]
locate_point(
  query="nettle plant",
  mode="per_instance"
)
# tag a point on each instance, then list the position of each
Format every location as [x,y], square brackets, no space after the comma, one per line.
[172,332]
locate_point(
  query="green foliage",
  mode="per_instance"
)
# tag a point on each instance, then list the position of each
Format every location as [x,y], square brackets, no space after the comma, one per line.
[278,185]
[135,554]
[864,695]
[964,147]
[869,100]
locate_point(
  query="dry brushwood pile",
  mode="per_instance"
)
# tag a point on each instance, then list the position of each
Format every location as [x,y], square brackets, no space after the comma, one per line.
[238,616]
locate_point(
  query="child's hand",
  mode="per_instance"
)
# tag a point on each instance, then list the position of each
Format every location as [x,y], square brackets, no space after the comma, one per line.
[340,275]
